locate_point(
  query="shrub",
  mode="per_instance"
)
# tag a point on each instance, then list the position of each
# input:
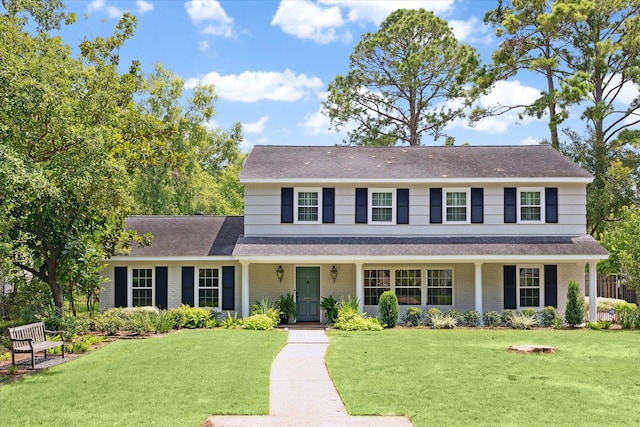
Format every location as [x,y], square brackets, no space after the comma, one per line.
[593,325]
[455,314]
[413,316]
[110,322]
[443,321]
[81,344]
[430,314]
[350,303]
[626,316]
[348,320]
[193,317]
[506,317]
[389,309]
[268,309]
[491,319]
[549,316]
[524,320]
[529,312]
[574,313]
[163,322]
[140,322]
[260,322]
[230,322]
[330,307]
[472,318]
[286,306]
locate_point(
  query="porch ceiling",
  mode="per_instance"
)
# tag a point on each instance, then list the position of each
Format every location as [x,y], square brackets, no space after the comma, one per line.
[418,247]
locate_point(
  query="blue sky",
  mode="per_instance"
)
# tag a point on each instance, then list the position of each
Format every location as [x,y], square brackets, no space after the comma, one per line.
[271,61]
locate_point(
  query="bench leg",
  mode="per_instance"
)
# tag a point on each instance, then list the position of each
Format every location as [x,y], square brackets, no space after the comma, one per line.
[33,359]
[63,349]
[13,358]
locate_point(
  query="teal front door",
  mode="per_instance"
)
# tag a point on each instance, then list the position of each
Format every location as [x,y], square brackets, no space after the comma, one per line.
[308,291]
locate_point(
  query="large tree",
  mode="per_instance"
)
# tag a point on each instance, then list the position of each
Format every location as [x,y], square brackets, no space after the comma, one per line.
[405,80]
[65,193]
[621,240]
[587,54]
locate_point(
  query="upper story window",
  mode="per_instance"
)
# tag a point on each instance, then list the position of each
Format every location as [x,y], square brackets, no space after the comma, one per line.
[456,202]
[142,287]
[530,204]
[383,206]
[307,205]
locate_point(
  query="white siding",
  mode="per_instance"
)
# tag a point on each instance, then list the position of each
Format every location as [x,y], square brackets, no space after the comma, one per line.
[262,215]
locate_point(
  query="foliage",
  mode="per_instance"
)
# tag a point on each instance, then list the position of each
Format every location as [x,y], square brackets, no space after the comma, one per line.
[193,317]
[389,309]
[472,318]
[529,312]
[443,321]
[268,309]
[600,324]
[230,322]
[505,318]
[549,316]
[574,313]
[456,315]
[491,319]
[430,314]
[351,303]
[524,320]
[413,316]
[621,240]
[628,316]
[348,320]
[163,322]
[259,322]
[400,79]
[81,344]
[111,321]
[330,307]
[287,306]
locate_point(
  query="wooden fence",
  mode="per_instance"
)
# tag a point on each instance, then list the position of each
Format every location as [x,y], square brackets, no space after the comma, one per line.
[612,287]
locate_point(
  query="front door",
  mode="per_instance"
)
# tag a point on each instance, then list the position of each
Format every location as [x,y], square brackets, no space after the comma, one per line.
[308,291]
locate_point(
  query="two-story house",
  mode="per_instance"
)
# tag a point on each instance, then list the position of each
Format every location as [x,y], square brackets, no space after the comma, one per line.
[483,228]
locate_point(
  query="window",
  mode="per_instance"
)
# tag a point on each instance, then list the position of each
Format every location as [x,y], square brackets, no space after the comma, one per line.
[375,283]
[529,286]
[307,205]
[209,288]
[382,206]
[142,287]
[530,205]
[440,286]
[408,286]
[456,203]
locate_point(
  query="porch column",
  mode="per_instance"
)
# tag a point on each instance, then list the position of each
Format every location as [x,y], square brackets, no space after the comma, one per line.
[593,292]
[360,286]
[478,287]
[245,289]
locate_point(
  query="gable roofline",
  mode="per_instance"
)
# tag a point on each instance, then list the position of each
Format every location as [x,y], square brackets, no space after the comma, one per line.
[585,180]
[423,164]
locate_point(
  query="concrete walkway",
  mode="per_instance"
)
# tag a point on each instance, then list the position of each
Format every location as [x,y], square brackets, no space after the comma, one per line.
[302,393]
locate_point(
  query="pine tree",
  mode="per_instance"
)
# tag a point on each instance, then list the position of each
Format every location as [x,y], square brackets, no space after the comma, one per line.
[574,314]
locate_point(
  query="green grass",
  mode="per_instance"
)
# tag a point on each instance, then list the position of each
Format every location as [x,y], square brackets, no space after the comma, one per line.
[176,380]
[465,377]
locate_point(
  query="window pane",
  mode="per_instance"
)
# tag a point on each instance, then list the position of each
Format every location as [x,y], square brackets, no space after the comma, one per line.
[208,287]
[529,287]
[530,206]
[456,206]
[308,206]
[440,287]
[382,207]
[408,287]
[142,287]
[375,283]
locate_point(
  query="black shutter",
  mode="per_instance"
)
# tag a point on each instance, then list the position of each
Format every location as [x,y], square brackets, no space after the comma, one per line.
[228,287]
[187,285]
[551,285]
[120,284]
[402,211]
[510,205]
[477,205]
[162,287]
[362,194]
[551,204]
[286,205]
[328,205]
[435,200]
[509,287]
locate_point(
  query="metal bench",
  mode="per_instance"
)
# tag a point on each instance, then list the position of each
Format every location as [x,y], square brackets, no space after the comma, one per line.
[32,338]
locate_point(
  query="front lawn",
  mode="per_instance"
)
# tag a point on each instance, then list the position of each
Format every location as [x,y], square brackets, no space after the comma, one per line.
[175,380]
[465,376]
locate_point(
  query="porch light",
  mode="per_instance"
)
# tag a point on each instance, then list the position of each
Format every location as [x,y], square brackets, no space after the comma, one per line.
[280,273]
[334,273]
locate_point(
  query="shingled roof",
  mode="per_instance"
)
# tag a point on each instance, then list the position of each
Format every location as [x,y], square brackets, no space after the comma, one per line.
[186,236]
[295,163]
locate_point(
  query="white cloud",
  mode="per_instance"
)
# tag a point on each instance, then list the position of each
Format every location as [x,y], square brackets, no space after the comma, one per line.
[530,141]
[114,12]
[377,11]
[144,6]
[471,30]
[255,127]
[210,11]
[95,5]
[100,5]
[254,86]
[308,20]
[203,45]
[316,124]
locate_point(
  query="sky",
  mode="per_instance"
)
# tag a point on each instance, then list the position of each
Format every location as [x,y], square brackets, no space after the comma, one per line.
[271,61]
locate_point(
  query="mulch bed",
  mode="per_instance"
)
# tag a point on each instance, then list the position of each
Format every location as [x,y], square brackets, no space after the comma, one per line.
[531,348]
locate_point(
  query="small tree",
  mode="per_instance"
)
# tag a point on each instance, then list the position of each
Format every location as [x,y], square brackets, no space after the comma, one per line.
[574,313]
[389,309]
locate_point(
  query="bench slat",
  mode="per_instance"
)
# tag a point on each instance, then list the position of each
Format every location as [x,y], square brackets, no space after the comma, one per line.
[32,338]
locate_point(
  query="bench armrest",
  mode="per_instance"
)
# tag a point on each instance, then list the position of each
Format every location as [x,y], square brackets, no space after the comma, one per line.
[61,333]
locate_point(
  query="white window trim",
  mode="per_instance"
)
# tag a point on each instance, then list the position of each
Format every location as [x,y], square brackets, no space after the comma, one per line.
[453,284]
[196,286]
[467,207]
[541,293]
[295,204]
[542,204]
[370,206]
[130,284]
[378,267]
[421,286]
